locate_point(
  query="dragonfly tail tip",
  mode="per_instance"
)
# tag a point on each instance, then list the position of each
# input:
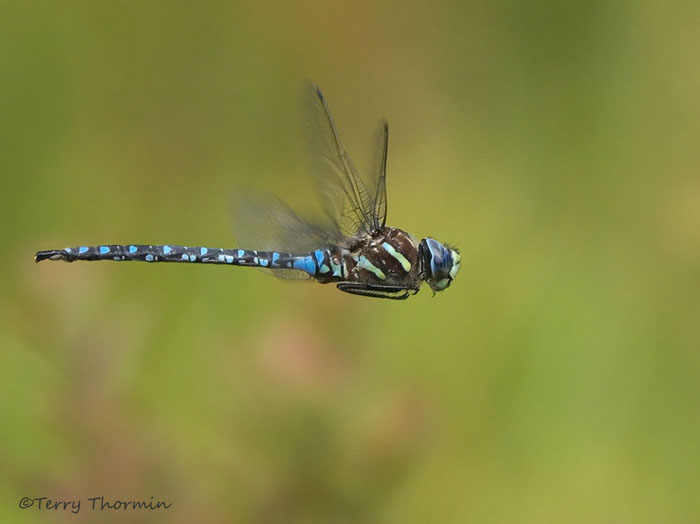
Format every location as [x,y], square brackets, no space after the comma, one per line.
[48,255]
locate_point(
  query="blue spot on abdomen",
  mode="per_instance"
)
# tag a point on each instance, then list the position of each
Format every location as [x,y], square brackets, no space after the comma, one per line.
[306,264]
[319,256]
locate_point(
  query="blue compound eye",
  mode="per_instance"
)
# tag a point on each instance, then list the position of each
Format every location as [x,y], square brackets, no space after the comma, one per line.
[443,264]
[440,260]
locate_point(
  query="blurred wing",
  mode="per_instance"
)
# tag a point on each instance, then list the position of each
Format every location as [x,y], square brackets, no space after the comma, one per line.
[344,195]
[266,223]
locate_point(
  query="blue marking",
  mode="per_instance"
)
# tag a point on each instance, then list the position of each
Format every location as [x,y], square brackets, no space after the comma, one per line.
[229,259]
[264,262]
[167,250]
[320,255]
[337,268]
[275,257]
[185,257]
[104,250]
[202,251]
[132,249]
[193,258]
[149,258]
[240,253]
[82,250]
[306,264]
[255,260]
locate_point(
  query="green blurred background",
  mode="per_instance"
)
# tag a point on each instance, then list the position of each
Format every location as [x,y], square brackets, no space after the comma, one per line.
[556,380]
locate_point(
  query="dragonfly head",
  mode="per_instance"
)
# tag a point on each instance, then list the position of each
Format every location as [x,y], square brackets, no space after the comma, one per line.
[440,263]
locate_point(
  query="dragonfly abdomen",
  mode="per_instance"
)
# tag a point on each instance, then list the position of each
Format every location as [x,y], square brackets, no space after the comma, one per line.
[321,263]
[139,253]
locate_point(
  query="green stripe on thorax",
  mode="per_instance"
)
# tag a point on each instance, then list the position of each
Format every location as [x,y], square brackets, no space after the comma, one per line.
[405,264]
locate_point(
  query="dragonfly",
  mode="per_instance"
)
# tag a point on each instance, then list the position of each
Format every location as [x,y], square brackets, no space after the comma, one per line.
[349,245]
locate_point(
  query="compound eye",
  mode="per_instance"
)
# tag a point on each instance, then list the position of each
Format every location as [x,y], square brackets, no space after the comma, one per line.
[440,264]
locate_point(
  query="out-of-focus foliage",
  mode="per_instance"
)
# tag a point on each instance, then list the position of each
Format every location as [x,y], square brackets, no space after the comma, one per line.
[557,380]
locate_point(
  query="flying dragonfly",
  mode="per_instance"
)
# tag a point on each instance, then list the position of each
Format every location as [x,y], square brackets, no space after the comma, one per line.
[351,245]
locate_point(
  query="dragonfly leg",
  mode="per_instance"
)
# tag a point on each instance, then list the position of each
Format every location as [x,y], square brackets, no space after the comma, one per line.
[376,290]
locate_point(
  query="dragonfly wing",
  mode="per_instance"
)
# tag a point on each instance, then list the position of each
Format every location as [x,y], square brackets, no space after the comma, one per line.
[378,174]
[343,193]
[266,223]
